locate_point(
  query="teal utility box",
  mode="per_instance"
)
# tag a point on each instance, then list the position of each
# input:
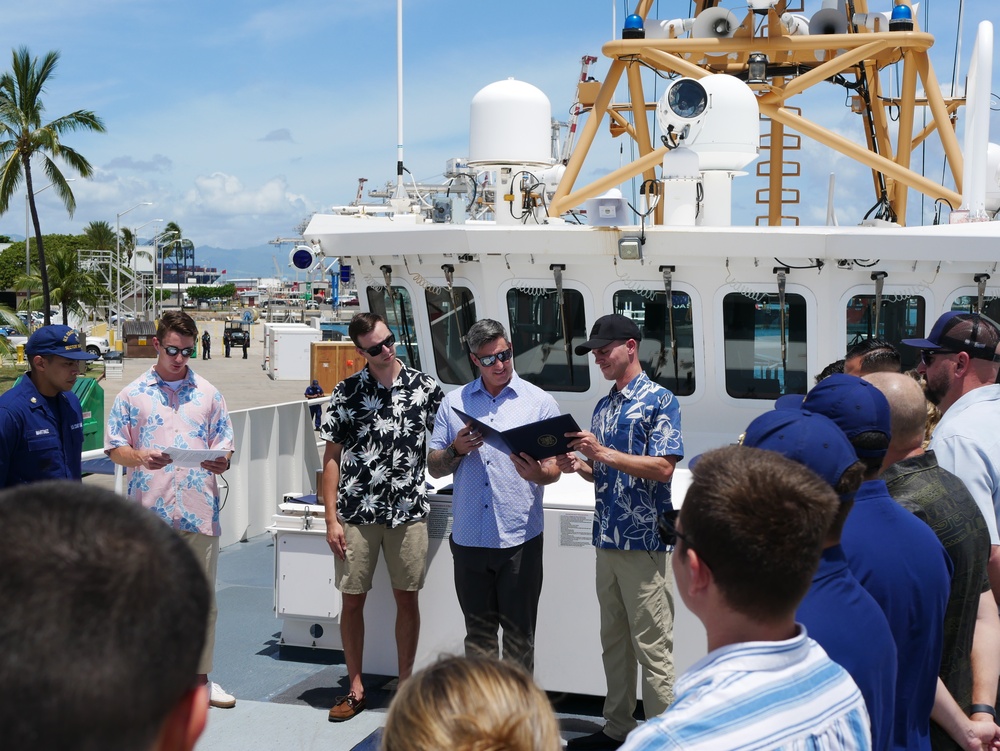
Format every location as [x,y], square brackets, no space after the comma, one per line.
[91,396]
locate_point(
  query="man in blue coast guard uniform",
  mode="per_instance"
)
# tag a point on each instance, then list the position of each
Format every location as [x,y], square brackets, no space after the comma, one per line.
[41,423]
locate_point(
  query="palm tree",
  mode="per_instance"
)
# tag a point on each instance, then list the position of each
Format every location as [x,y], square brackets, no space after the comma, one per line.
[24,137]
[179,247]
[72,287]
[100,235]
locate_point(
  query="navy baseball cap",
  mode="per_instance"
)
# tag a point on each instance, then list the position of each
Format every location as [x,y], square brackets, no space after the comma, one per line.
[607,329]
[855,405]
[57,340]
[789,401]
[812,440]
[978,339]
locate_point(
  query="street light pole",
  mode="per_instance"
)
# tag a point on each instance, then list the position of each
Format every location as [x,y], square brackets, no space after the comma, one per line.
[27,243]
[118,273]
[133,265]
[156,253]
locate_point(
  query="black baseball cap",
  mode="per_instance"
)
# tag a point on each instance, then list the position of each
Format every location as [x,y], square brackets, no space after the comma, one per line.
[610,328]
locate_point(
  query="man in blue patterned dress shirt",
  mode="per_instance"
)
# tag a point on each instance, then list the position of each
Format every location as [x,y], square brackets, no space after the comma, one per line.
[631,453]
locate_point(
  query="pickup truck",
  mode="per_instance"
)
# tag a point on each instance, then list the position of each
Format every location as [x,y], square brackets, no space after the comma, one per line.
[97,345]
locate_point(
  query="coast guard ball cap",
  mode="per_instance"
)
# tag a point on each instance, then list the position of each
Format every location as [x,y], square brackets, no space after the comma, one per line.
[855,405]
[812,440]
[607,329]
[789,401]
[955,331]
[57,340]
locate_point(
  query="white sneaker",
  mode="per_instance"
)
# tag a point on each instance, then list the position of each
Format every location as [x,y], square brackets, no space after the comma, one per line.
[219,698]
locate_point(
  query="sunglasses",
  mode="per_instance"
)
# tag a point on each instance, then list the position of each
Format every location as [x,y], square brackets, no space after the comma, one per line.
[666,525]
[927,355]
[174,351]
[377,349]
[487,360]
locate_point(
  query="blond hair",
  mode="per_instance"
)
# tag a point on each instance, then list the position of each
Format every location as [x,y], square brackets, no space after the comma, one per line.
[471,704]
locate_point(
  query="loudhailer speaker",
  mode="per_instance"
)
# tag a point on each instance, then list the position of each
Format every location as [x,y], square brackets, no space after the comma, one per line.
[831,19]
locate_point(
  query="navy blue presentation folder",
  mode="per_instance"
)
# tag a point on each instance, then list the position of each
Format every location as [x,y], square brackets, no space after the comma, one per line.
[539,440]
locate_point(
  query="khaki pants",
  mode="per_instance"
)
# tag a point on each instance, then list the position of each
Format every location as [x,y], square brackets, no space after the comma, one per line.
[206,550]
[635,591]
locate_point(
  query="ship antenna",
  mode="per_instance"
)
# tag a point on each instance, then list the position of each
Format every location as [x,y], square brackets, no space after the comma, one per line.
[400,199]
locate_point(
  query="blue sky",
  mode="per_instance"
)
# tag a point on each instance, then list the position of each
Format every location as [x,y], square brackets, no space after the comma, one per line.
[240,119]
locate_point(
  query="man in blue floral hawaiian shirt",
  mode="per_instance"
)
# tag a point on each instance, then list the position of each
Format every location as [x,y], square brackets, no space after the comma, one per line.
[374,493]
[630,457]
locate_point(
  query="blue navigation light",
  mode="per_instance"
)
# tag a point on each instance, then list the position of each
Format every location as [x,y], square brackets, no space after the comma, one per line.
[302,258]
[633,28]
[901,18]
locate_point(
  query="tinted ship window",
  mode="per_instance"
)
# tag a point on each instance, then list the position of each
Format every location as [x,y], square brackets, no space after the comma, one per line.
[667,347]
[538,328]
[968,304]
[900,317]
[451,313]
[397,310]
[765,345]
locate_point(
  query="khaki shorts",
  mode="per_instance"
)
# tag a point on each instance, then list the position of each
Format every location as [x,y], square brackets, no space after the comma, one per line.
[405,550]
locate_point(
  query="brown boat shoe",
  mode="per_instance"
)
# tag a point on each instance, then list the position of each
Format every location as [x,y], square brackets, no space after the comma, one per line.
[346,707]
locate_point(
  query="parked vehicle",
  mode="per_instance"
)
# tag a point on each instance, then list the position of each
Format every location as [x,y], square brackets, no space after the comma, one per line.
[239,332]
[98,345]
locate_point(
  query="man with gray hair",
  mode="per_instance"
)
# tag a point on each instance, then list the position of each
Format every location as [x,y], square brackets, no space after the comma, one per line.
[496,537]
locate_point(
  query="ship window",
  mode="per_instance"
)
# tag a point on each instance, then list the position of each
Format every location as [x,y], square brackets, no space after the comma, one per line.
[900,317]
[968,304]
[451,313]
[667,347]
[537,326]
[397,310]
[765,345]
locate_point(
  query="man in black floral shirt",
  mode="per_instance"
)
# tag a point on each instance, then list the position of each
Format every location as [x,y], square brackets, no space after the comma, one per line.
[374,493]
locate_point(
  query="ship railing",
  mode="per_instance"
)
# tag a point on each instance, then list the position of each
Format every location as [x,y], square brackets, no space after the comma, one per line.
[277,453]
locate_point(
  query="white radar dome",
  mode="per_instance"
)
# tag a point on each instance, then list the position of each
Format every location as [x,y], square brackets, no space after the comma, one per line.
[510,123]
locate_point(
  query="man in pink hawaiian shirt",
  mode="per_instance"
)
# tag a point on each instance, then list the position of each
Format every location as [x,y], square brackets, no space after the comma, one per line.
[171,407]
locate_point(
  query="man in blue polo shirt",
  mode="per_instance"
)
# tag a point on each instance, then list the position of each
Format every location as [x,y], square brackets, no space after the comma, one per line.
[41,423]
[894,555]
[837,611]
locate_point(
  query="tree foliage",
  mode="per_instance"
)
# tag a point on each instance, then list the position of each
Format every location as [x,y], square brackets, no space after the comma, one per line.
[207,292]
[100,235]
[71,286]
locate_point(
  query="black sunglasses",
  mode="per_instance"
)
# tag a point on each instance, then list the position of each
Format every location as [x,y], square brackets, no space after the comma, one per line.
[666,525]
[174,351]
[377,349]
[487,360]
[927,355]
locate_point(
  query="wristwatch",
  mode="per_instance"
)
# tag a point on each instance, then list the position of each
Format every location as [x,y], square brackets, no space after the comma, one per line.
[453,452]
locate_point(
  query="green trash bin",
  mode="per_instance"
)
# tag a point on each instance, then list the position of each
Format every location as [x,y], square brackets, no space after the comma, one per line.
[91,396]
